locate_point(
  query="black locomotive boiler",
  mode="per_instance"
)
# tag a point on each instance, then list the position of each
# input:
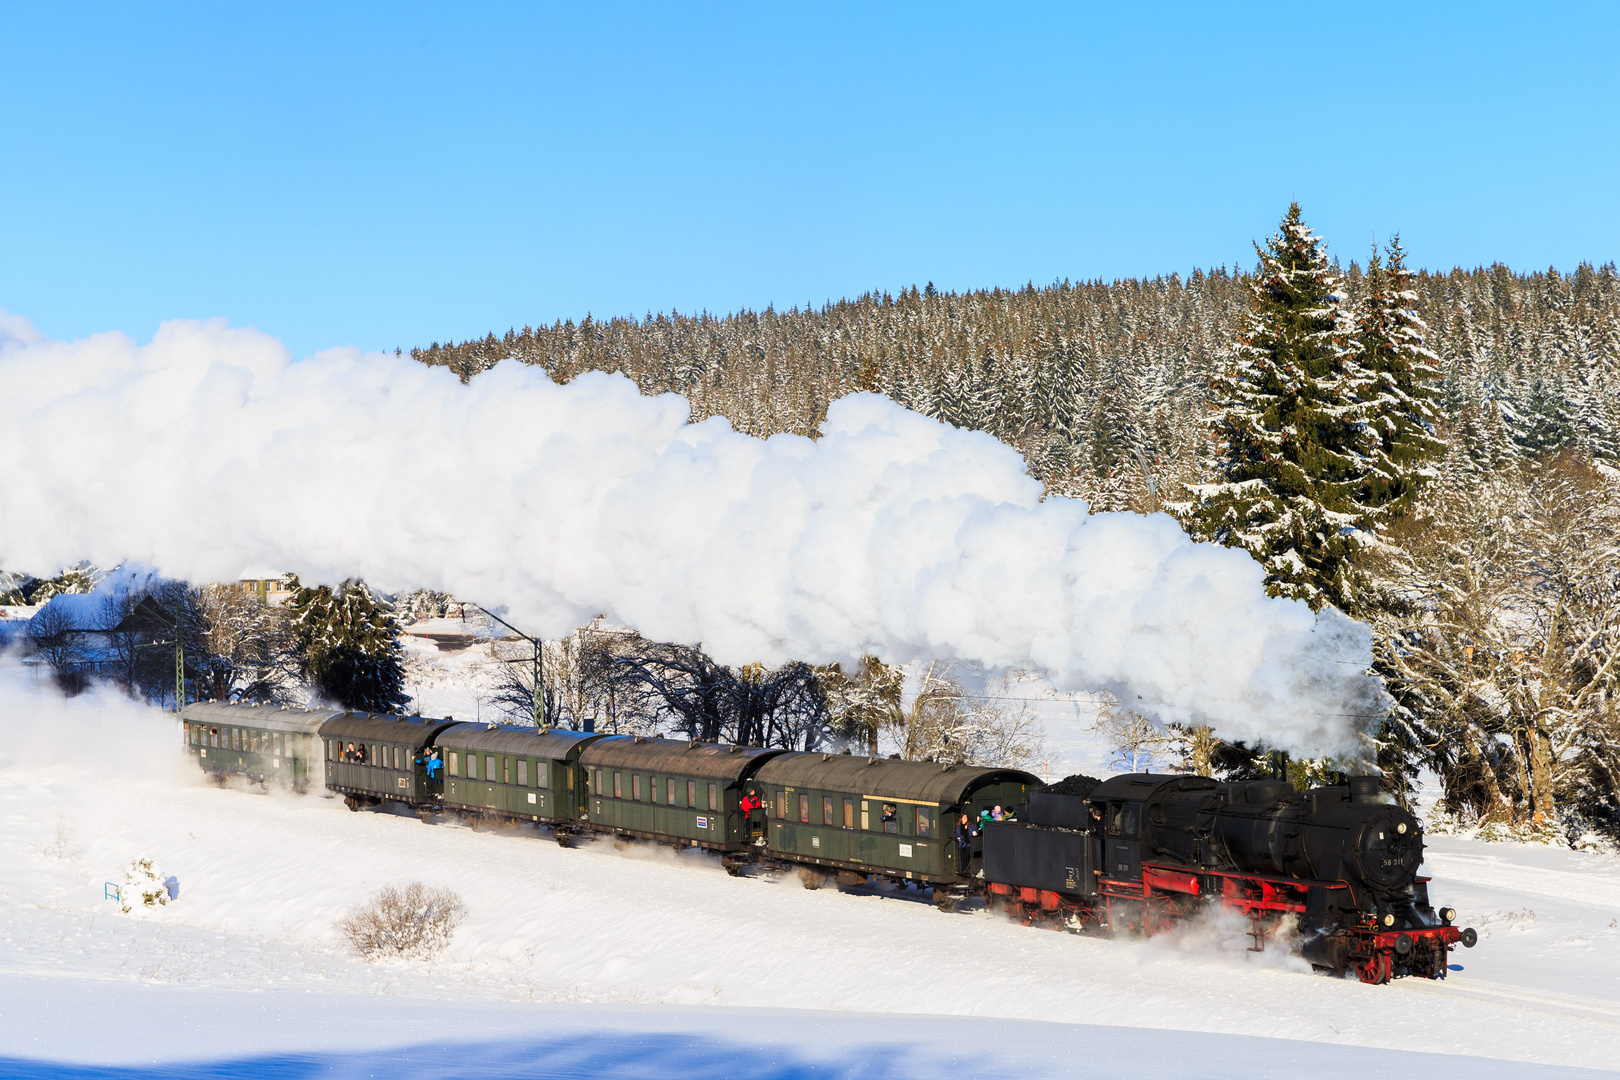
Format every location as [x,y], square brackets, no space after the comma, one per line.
[1337,866]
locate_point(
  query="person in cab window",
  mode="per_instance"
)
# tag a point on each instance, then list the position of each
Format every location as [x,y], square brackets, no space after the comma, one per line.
[891,818]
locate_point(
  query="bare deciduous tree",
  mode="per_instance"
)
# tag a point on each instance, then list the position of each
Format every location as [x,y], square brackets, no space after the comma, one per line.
[56,640]
[1497,633]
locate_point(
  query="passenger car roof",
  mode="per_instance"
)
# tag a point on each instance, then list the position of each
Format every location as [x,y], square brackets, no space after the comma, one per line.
[516,739]
[711,761]
[921,781]
[411,730]
[264,717]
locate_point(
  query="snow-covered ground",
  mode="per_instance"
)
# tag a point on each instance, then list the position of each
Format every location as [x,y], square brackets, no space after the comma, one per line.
[640,962]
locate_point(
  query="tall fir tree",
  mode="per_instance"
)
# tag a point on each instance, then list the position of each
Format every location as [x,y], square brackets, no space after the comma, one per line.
[1391,346]
[1291,428]
[348,646]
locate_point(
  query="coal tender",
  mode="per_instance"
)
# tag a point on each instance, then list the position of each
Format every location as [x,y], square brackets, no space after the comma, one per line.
[1332,870]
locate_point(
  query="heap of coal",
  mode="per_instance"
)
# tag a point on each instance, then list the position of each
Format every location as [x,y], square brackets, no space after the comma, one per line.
[1079,785]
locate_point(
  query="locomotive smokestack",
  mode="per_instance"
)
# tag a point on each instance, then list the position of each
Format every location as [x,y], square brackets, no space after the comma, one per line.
[1364,789]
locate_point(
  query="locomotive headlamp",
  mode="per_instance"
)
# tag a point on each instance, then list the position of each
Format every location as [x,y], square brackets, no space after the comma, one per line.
[1448,915]
[1389,920]
[1401,828]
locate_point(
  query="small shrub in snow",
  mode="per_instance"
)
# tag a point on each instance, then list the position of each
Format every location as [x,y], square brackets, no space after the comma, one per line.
[412,920]
[146,886]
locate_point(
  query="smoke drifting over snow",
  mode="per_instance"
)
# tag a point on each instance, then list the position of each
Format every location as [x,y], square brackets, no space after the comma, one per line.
[210,450]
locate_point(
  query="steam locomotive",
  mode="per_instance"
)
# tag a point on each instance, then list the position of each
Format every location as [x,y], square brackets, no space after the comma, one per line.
[1333,871]
[1336,866]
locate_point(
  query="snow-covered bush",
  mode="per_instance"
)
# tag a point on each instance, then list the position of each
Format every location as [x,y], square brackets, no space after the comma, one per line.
[146,886]
[413,920]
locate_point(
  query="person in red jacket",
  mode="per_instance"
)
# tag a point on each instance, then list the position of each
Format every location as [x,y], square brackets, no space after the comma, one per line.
[754,824]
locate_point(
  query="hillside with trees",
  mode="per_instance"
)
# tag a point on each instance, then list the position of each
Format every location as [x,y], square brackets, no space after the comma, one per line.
[1431,452]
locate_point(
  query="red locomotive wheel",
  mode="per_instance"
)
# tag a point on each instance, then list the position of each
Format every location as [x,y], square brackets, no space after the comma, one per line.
[1377,970]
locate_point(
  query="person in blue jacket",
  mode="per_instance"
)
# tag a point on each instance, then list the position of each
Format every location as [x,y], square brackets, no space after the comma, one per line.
[964,840]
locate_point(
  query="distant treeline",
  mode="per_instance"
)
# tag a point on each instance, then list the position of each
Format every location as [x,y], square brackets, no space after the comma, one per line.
[1102,386]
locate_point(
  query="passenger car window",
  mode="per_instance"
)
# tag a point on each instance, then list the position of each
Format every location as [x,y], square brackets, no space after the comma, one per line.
[924,825]
[618,786]
[455,763]
[506,770]
[827,810]
[714,796]
[523,773]
[691,793]
[472,766]
[781,804]
[804,808]
[849,813]
[891,818]
[489,767]
[399,758]
[635,786]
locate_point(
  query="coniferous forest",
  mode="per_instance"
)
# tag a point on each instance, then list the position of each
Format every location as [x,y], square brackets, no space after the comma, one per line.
[1434,453]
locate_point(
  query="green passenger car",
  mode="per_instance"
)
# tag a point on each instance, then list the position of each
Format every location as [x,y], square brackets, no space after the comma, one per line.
[262,743]
[866,815]
[671,790]
[376,759]
[515,773]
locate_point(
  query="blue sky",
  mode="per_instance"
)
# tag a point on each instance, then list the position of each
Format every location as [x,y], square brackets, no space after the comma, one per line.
[394,174]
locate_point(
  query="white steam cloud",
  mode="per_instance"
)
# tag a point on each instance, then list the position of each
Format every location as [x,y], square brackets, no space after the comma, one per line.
[210,450]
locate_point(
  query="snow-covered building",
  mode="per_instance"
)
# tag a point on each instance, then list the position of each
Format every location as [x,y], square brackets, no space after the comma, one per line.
[274,591]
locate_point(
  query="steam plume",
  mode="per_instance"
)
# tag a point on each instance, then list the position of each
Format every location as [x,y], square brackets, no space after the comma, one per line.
[209,450]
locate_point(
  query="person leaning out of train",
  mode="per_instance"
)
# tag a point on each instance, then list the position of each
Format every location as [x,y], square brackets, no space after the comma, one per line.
[750,803]
[964,838]
[433,764]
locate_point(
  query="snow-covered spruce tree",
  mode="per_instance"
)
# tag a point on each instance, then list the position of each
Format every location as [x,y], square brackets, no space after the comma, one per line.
[1400,410]
[348,646]
[1293,445]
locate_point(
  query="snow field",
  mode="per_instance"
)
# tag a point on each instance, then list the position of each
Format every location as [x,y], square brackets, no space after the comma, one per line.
[632,950]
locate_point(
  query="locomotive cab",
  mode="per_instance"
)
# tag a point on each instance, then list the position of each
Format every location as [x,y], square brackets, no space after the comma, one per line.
[1122,840]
